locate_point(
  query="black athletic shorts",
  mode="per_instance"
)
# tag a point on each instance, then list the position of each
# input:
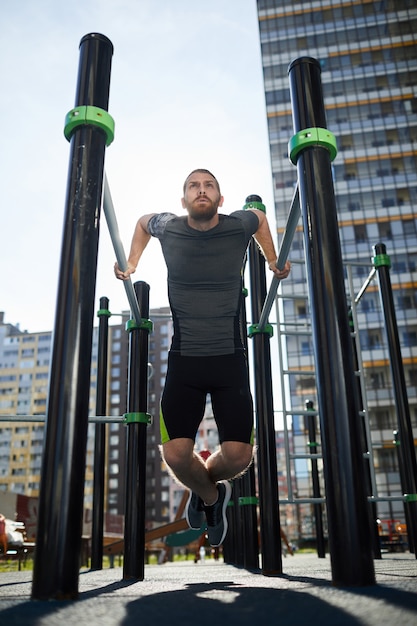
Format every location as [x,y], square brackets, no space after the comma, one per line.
[189,379]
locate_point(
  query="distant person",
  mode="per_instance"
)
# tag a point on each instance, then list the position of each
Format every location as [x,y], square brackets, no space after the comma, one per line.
[3,533]
[204,253]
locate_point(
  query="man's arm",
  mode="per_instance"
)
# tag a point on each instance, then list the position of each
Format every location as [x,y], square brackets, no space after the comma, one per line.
[264,240]
[140,240]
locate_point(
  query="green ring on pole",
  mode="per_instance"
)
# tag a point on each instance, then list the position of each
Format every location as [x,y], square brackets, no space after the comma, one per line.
[381,260]
[254,205]
[254,329]
[103,313]
[144,325]
[311,137]
[410,497]
[245,292]
[312,444]
[137,418]
[245,500]
[84,115]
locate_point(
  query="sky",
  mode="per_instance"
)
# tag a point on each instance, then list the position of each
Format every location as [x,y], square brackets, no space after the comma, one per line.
[186,91]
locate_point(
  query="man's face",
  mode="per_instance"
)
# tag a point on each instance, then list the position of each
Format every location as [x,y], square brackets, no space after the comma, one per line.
[202,196]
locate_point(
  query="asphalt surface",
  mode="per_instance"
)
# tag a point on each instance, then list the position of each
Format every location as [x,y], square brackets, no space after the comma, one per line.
[212,593]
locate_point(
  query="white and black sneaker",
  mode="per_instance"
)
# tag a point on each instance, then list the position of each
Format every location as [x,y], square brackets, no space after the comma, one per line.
[216,515]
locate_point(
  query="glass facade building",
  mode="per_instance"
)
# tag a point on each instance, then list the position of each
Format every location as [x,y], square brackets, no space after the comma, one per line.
[368,55]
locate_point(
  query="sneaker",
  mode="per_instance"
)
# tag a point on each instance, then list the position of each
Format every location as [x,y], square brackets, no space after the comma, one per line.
[194,512]
[216,515]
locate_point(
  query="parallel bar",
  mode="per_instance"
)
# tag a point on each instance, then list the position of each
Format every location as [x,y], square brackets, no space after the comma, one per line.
[366,441]
[58,542]
[93,419]
[406,449]
[283,253]
[245,518]
[347,508]
[318,511]
[110,214]
[134,532]
[270,530]
[97,531]
[366,284]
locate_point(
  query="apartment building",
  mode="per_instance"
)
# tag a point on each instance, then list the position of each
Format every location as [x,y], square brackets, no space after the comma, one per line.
[368,55]
[24,375]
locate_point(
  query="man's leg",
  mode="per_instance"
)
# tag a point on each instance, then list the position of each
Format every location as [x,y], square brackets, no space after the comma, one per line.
[230,461]
[189,468]
[208,480]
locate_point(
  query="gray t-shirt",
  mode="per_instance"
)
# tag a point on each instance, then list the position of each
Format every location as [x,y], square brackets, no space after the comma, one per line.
[205,280]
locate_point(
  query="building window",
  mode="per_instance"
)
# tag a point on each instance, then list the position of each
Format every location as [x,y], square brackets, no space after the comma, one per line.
[360,233]
[413,377]
[384,230]
[410,338]
[386,459]
[409,228]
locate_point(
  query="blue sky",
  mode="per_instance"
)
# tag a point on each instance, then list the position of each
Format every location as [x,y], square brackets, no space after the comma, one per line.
[186,91]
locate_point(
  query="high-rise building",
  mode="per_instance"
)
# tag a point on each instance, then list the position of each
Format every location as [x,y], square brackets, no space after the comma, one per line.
[368,56]
[24,374]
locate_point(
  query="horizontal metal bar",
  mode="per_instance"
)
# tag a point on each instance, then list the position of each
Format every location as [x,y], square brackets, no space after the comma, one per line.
[93,419]
[302,501]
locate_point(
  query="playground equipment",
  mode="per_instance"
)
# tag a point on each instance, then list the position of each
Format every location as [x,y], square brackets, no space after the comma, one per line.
[89,129]
[312,149]
[58,541]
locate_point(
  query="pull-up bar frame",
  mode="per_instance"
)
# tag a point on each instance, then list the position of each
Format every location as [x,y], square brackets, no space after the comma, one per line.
[110,214]
[293,219]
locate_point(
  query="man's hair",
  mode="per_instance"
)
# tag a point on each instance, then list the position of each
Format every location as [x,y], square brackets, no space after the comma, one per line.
[200,171]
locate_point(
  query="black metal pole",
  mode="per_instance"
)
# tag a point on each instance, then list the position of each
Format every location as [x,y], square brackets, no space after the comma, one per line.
[58,542]
[241,546]
[248,501]
[265,426]
[232,545]
[406,449]
[311,148]
[313,445]
[100,437]
[372,508]
[403,481]
[137,420]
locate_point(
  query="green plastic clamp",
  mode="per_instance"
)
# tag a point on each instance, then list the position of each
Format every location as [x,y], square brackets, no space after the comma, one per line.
[137,418]
[410,497]
[311,137]
[254,329]
[103,313]
[312,444]
[245,500]
[381,260]
[254,205]
[245,292]
[144,325]
[84,115]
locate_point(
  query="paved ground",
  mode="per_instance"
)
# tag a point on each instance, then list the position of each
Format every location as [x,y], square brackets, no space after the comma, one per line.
[214,594]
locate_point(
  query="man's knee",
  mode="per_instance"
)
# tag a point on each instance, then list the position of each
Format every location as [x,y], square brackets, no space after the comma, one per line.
[238,456]
[177,453]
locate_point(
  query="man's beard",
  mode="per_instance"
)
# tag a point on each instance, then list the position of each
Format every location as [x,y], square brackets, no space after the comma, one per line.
[203,213]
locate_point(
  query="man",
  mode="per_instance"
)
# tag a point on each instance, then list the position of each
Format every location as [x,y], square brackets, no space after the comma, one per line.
[3,533]
[204,252]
